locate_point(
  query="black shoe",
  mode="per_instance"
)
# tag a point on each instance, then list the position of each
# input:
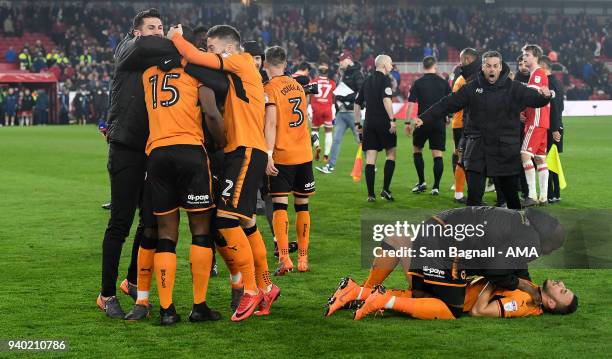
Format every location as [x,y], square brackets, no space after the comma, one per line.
[111,307]
[435,192]
[138,312]
[386,195]
[371,199]
[106,206]
[461,200]
[169,316]
[529,202]
[202,313]
[501,205]
[420,187]
[236,295]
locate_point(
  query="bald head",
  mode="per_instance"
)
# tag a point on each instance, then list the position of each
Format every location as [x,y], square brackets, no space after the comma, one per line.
[383,63]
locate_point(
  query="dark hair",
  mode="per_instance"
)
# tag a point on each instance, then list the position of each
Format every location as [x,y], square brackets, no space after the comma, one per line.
[276,55]
[303,66]
[139,18]
[568,309]
[535,50]
[224,32]
[471,52]
[188,34]
[429,62]
[490,54]
[199,36]
[545,60]
[519,58]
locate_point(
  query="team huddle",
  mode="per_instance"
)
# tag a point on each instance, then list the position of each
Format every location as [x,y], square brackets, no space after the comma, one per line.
[217,137]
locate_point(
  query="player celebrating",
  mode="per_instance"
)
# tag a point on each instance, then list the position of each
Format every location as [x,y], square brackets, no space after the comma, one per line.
[289,158]
[537,121]
[321,104]
[179,176]
[244,165]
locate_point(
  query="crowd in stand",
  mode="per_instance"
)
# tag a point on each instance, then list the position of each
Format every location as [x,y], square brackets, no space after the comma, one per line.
[85,35]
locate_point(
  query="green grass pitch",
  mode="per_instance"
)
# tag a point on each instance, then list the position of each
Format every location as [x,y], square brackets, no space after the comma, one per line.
[53,180]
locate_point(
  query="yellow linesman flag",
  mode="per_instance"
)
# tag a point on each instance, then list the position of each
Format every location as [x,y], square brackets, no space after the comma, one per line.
[356,172]
[554,164]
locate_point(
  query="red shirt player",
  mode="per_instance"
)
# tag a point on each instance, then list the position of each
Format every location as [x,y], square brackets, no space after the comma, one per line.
[537,121]
[321,104]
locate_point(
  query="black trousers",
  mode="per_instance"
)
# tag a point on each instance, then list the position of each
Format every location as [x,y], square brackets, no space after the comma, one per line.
[126,168]
[476,182]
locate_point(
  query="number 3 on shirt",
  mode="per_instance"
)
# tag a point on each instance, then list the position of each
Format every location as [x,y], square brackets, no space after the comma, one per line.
[165,87]
[297,101]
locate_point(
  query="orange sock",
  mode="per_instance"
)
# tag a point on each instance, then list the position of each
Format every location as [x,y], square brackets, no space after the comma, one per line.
[401,293]
[381,268]
[240,252]
[165,270]
[459,179]
[280,222]
[302,228]
[262,275]
[423,308]
[145,269]
[200,260]
[226,254]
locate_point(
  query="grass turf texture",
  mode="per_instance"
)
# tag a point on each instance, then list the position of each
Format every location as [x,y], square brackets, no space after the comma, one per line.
[54,180]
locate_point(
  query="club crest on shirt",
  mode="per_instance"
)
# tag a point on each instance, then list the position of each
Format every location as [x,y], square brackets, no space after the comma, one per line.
[511,306]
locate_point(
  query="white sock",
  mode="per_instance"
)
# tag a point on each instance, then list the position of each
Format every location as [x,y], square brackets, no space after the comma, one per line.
[458,195]
[328,143]
[531,179]
[390,303]
[543,177]
[236,278]
[360,291]
[142,295]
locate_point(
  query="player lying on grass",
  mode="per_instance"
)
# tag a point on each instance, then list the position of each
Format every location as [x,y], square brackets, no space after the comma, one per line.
[445,277]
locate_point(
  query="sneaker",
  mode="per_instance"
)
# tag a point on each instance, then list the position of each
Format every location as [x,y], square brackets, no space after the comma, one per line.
[325,159]
[284,265]
[347,292]
[129,289]
[435,192]
[375,302]
[461,200]
[371,199]
[554,200]
[168,316]
[236,295]
[419,187]
[202,313]
[317,153]
[107,206]
[490,188]
[110,306]
[268,299]
[529,202]
[138,312]
[302,264]
[386,195]
[248,304]
[327,169]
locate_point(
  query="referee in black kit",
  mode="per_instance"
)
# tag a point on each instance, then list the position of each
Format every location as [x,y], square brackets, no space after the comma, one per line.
[379,127]
[426,91]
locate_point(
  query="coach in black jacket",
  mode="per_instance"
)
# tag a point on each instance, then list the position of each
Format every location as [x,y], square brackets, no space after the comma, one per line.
[493,143]
[128,130]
